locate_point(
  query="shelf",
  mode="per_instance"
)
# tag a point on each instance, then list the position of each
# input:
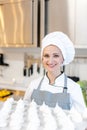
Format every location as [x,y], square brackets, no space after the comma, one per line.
[80,47]
[17,86]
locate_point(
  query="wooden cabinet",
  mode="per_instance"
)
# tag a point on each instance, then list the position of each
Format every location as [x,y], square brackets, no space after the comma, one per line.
[69,16]
[18,23]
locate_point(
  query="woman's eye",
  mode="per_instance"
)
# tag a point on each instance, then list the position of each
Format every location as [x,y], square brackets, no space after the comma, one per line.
[56,55]
[46,56]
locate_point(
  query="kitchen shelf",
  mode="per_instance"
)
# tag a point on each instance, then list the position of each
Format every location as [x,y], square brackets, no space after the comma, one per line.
[16,86]
[81,52]
[81,47]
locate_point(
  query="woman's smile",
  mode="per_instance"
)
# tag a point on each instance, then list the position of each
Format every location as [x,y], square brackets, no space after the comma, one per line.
[51,65]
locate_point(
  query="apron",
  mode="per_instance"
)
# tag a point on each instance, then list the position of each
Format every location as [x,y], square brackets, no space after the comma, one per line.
[52,99]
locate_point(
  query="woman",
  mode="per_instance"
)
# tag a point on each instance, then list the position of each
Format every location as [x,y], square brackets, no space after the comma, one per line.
[55,87]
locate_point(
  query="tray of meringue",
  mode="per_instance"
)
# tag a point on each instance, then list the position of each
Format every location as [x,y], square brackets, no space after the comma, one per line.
[21,115]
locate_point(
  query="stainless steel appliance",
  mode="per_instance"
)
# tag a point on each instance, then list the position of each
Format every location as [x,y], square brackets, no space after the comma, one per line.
[21,23]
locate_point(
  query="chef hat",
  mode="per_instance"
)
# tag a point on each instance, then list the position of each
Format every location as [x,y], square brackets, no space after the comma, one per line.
[63,42]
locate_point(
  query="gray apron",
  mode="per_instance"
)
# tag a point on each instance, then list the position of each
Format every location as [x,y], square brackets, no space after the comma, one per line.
[52,99]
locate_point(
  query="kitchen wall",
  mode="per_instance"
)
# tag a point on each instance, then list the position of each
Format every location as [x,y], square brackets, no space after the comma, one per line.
[78,67]
[15,58]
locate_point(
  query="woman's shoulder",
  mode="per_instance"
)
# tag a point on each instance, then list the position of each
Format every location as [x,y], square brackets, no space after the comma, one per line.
[72,83]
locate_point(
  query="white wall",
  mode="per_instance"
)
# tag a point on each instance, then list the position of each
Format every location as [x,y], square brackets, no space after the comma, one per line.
[15,59]
[77,68]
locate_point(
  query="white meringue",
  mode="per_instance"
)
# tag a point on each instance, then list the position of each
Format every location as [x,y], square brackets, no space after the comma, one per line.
[75,116]
[84,114]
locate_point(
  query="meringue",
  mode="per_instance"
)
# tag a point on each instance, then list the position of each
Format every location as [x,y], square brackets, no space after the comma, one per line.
[75,116]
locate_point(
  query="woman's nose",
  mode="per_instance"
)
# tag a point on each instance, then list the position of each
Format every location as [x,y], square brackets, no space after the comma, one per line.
[50,60]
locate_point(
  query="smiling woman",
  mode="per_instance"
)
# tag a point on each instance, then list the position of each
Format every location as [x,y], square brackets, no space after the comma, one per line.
[55,88]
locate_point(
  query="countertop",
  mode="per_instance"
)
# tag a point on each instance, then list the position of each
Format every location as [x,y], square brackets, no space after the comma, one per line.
[18,90]
[13,86]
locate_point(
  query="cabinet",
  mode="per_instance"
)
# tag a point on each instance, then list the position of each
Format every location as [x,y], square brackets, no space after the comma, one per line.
[18,23]
[81,23]
[69,16]
[61,16]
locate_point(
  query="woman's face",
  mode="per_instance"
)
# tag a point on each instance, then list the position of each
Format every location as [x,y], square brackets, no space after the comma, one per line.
[52,58]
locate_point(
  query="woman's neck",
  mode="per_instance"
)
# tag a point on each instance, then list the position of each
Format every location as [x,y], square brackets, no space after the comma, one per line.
[53,76]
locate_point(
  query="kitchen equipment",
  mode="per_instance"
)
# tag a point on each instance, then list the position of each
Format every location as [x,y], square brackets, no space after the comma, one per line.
[2,60]
[27,23]
[2,64]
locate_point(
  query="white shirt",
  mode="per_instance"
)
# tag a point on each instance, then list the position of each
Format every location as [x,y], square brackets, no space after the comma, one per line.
[77,100]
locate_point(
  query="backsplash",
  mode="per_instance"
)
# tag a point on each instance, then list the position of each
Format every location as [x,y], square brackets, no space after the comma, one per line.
[14,73]
[78,68]
[15,68]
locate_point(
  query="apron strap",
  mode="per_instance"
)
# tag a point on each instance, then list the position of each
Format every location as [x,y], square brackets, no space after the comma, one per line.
[65,84]
[40,83]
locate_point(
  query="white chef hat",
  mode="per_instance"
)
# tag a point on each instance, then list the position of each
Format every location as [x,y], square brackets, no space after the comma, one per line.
[63,42]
